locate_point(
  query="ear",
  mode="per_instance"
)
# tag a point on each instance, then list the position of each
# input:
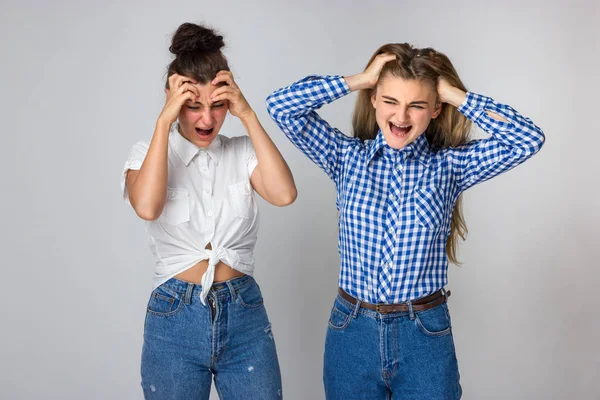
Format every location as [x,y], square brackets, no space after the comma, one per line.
[373,99]
[437,110]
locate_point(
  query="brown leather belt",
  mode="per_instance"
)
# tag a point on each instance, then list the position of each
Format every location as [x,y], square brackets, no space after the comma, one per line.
[422,304]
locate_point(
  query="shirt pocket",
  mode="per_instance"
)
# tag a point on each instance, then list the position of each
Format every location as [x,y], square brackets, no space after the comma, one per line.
[429,207]
[240,195]
[177,207]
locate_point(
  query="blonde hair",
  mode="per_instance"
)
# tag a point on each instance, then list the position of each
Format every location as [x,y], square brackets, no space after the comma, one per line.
[449,129]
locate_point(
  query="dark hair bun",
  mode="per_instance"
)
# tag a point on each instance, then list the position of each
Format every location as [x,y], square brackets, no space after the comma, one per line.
[191,38]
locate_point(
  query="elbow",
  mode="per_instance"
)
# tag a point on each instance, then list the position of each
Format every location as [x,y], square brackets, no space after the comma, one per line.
[272,106]
[287,198]
[147,213]
[540,140]
[147,216]
[531,146]
[292,196]
[537,142]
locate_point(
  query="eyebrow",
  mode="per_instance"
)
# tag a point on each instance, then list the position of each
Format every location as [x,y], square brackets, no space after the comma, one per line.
[198,103]
[414,102]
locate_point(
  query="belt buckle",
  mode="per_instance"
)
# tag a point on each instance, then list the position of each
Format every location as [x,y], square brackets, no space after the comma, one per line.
[378,309]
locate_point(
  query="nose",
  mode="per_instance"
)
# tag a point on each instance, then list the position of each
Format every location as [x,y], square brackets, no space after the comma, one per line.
[402,114]
[206,117]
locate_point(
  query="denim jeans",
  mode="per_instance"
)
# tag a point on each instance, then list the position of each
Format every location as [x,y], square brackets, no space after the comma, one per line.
[187,343]
[402,355]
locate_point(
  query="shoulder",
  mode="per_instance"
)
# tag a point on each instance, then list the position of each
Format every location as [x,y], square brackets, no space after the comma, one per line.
[139,150]
[236,144]
[233,141]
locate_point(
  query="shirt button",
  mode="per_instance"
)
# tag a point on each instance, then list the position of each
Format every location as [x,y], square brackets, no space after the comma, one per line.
[399,167]
[390,230]
[207,191]
[392,197]
[210,214]
[204,169]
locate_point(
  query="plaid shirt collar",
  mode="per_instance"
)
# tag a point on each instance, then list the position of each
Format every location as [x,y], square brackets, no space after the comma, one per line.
[418,149]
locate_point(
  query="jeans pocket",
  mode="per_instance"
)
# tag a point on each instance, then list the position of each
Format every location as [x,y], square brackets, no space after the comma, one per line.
[177,207]
[434,322]
[164,302]
[249,296]
[341,315]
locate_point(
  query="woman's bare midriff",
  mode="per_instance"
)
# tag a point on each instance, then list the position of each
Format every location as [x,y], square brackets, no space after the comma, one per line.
[223,272]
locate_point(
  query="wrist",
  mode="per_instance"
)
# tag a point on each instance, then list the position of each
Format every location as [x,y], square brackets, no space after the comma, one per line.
[455,97]
[163,123]
[359,81]
[248,117]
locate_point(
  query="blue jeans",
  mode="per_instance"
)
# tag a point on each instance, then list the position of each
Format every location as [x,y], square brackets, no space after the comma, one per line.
[186,343]
[404,355]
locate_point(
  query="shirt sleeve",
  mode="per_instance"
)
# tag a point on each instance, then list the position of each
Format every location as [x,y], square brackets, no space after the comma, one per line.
[293,109]
[137,154]
[250,156]
[511,143]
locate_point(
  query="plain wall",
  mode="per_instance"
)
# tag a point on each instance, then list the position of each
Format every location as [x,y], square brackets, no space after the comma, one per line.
[82,81]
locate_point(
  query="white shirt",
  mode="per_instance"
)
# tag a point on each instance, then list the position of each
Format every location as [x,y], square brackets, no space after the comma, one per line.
[209,200]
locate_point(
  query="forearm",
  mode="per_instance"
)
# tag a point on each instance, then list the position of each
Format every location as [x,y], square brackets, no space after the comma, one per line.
[276,177]
[517,133]
[147,192]
[359,82]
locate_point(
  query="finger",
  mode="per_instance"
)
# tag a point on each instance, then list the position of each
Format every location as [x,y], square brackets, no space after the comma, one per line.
[188,80]
[386,57]
[172,79]
[180,96]
[186,96]
[221,90]
[224,72]
[177,80]
[224,77]
[185,87]
[224,96]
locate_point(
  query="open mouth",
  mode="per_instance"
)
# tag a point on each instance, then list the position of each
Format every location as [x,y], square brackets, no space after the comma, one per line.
[204,132]
[400,130]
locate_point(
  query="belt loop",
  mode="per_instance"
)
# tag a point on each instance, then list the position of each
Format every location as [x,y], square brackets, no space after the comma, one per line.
[411,313]
[356,308]
[444,293]
[231,290]
[188,294]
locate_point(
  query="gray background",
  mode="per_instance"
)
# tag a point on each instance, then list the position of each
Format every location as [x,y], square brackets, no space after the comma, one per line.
[82,81]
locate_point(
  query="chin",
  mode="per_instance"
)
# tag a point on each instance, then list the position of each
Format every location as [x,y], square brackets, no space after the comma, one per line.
[397,142]
[204,142]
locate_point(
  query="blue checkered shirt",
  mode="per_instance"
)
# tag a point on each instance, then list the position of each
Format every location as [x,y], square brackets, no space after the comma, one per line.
[395,206]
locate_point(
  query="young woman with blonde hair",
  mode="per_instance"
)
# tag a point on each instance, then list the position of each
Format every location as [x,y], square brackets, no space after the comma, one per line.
[399,182]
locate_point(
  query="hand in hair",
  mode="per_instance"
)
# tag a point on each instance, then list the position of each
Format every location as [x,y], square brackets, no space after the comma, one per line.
[369,77]
[181,89]
[238,106]
[447,93]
